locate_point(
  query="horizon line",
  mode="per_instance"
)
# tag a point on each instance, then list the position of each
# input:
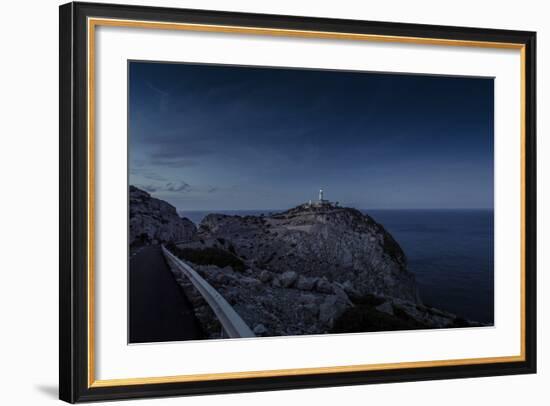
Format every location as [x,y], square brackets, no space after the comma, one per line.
[348,207]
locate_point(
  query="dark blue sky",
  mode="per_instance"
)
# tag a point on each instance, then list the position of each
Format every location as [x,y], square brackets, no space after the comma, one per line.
[207,137]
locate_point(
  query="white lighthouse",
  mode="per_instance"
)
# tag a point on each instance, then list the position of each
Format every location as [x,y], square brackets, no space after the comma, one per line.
[321,202]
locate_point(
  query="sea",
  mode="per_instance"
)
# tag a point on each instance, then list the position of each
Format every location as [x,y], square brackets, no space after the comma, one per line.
[449,251]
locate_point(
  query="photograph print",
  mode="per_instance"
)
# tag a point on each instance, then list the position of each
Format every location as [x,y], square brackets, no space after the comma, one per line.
[282,202]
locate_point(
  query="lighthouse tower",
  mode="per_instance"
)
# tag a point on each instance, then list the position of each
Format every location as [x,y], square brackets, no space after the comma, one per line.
[322,202]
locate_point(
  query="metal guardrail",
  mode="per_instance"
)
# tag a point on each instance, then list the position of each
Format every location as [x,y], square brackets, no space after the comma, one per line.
[232,324]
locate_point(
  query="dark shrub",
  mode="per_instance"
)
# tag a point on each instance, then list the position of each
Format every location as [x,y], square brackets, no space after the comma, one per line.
[211,256]
[460,322]
[141,240]
[364,318]
[369,300]
[170,246]
[401,314]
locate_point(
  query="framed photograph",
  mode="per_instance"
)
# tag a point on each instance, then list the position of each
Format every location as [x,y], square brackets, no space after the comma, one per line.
[257,202]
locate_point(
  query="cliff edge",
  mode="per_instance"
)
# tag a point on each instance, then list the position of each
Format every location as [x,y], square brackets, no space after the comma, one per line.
[154,221]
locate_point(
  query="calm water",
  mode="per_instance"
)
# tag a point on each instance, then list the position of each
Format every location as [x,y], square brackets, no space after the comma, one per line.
[451,254]
[449,251]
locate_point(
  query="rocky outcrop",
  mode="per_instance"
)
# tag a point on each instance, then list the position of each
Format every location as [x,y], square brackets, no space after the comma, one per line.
[154,221]
[299,271]
[324,245]
[310,270]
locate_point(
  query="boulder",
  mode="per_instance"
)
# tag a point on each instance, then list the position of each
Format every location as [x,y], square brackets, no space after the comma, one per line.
[276,282]
[330,309]
[307,299]
[324,286]
[265,276]
[288,278]
[305,283]
[340,293]
[249,281]
[259,329]
[385,307]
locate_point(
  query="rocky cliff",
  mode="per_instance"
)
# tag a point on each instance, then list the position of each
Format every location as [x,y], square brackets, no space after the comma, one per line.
[341,245]
[312,269]
[154,221]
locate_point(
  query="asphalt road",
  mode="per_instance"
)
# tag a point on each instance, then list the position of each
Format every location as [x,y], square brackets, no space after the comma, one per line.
[159,311]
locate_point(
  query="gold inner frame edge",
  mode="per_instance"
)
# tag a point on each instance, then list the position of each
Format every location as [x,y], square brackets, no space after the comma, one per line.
[92,23]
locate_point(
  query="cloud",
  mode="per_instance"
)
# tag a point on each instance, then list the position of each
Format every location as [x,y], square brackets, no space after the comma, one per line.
[148,174]
[173,152]
[173,162]
[180,186]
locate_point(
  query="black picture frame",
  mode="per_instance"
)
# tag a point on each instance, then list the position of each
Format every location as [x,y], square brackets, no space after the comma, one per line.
[74,385]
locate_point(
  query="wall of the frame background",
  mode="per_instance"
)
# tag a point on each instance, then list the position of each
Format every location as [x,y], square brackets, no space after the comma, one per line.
[29,190]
